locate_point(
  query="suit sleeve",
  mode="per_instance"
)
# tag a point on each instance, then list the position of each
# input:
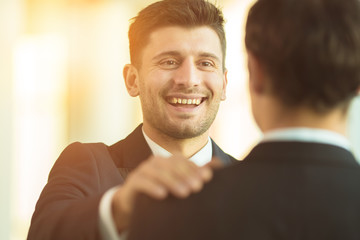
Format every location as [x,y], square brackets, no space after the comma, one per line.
[68,207]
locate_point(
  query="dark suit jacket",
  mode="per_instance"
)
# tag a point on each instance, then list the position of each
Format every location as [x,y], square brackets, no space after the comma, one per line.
[281,190]
[68,205]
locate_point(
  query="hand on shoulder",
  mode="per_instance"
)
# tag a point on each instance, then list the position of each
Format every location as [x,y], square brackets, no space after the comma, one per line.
[158,177]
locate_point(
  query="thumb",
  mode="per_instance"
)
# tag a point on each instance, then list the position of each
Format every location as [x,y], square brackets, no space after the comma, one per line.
[215,163]
[206,171]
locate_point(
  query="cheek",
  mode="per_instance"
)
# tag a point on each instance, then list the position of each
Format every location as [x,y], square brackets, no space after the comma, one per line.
[152,89]
[215,84]
[158,78]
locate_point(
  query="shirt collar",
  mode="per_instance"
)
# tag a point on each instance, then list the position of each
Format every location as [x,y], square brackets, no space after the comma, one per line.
[202,157]
[308,135]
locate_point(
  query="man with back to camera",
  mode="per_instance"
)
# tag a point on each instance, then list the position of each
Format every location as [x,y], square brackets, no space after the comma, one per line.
[177,69]
[301,181]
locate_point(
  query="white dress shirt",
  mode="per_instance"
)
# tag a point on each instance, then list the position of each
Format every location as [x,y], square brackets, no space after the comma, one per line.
[107,226]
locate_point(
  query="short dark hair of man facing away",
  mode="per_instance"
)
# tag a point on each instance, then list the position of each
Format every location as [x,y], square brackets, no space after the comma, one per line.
[173,13]
[313,61]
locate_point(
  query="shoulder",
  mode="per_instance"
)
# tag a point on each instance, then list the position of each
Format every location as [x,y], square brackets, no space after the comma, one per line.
[87,165]
[78,151]
[82,157]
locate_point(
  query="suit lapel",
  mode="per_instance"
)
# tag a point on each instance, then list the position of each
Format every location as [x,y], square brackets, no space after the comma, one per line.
[131,151]
[219,153]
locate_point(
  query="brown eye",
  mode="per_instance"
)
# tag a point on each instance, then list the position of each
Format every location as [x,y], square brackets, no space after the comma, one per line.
[206,64]
[169,64]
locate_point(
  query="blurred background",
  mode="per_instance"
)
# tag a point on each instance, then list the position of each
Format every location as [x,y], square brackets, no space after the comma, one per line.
[61,81]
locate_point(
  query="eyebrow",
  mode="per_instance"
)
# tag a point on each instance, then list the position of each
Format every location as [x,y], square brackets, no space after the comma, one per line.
[167,53]
[177,54]
[210,55]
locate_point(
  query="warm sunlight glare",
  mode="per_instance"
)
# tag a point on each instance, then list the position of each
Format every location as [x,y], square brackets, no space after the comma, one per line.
[40,115]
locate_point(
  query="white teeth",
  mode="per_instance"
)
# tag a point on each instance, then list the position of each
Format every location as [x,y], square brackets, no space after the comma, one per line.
[185,101]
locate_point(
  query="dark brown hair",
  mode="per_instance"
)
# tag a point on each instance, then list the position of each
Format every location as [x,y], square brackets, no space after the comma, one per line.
[184,13]
[310,49]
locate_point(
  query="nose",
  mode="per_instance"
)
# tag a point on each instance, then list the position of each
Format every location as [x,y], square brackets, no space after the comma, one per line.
[187,74]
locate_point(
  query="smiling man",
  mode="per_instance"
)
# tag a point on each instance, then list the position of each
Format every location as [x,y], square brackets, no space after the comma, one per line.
[177,50]
[181,82]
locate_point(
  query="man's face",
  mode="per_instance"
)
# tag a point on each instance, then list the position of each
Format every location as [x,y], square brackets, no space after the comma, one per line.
[181,81]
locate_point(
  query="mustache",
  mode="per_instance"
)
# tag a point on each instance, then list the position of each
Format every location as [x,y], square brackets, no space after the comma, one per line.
[170,88]
[185,90]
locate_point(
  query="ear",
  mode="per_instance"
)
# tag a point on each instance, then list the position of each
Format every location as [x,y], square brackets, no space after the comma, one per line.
[257,82]
[225,82]
[131,78]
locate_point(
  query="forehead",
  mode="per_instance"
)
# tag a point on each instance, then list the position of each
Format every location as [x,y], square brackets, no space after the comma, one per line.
[186,41]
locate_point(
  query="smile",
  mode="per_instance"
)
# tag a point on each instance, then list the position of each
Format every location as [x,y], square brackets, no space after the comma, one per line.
[185,101]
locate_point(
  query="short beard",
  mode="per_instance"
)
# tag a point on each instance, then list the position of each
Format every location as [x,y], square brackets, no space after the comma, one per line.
[184,131]
[187,131]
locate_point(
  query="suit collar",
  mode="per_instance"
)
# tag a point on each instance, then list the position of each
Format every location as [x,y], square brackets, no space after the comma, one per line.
[296,152]
[202,157]
[131,151]
[302,134]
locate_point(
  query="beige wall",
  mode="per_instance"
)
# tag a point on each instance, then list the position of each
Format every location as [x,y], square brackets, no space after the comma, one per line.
[10,14]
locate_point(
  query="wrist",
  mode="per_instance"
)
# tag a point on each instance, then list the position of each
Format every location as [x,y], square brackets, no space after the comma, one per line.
[120,213]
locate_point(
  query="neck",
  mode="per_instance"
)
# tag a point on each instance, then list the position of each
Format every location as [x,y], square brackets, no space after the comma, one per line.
[278,116]
[186,147]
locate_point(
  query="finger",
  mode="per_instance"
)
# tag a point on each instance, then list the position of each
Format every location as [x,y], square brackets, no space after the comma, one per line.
[151,188]
[206,173]
[215,163]
[177,174]
[138,183]
[207,170]
[188,172]
[169,177]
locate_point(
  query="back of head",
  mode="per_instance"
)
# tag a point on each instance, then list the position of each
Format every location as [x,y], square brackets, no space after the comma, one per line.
[309,49]
[183,13]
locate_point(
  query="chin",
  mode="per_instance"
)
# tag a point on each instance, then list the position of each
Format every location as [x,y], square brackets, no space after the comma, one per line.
[185,131]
